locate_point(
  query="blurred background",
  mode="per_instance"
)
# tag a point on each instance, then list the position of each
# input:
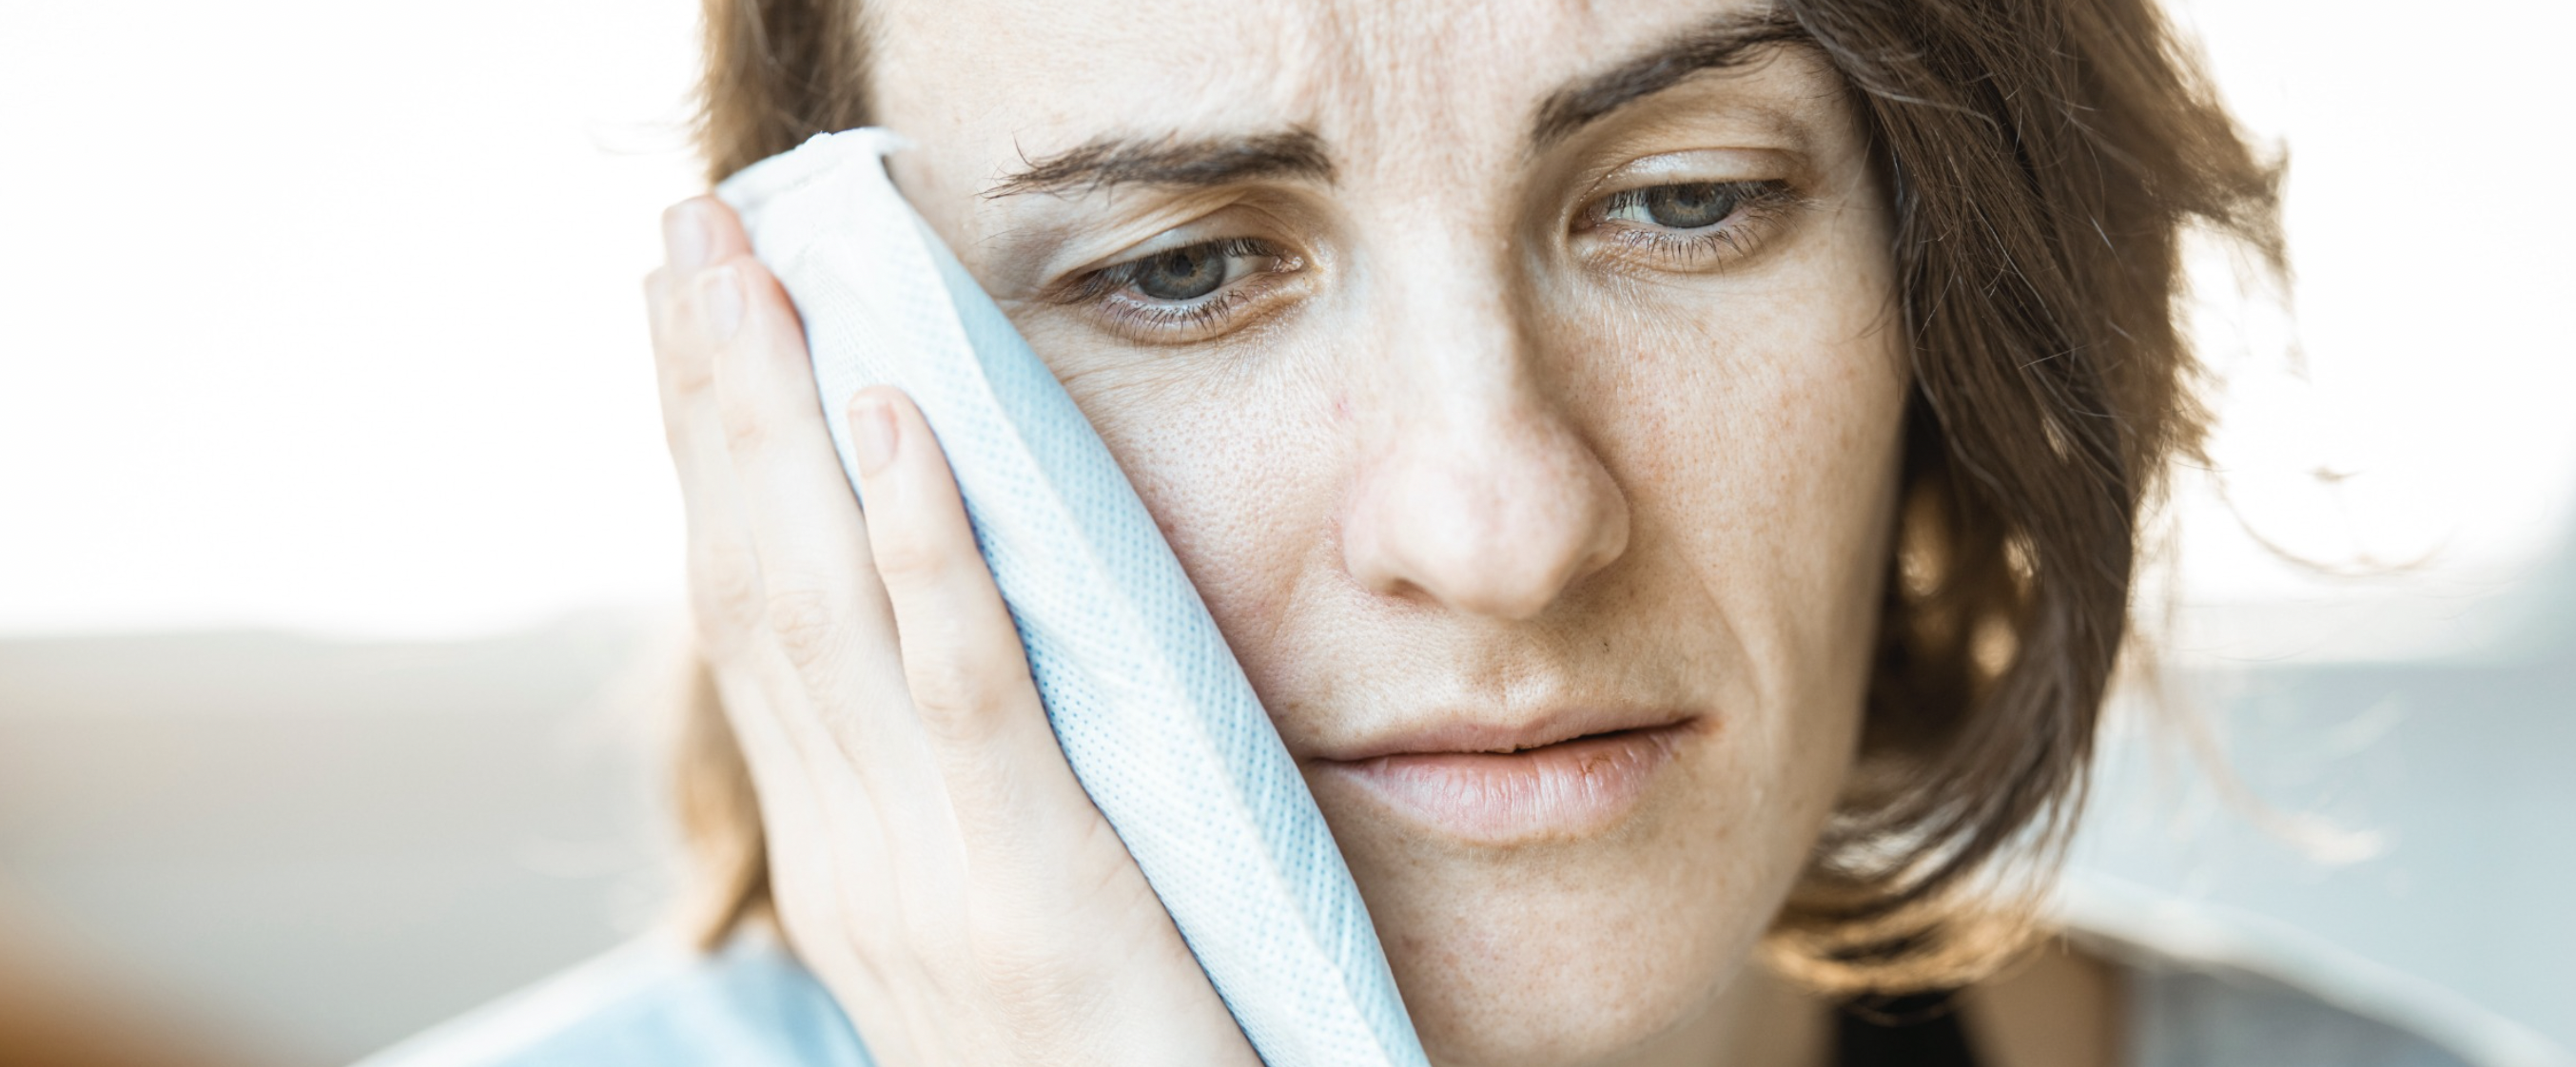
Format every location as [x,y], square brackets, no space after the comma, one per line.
[337,539]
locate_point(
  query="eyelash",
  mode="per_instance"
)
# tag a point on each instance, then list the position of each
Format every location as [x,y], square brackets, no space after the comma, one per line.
[1107,287]
[1758,209]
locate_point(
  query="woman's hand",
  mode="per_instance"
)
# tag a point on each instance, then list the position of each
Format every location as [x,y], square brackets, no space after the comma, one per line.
[932,857]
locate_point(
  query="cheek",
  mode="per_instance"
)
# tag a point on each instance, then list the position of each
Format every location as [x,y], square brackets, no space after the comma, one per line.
[1235,454]
[1755,425]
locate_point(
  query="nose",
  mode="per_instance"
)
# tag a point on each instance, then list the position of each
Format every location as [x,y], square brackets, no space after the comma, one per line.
[1481,492]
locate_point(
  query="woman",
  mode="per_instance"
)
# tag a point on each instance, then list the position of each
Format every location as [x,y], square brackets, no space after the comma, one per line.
[1671,471]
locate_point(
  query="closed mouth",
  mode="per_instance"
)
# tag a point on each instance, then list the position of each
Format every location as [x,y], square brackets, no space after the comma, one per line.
[1570,788]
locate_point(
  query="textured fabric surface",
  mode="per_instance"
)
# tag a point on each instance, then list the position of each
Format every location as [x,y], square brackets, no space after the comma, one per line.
[1151,709]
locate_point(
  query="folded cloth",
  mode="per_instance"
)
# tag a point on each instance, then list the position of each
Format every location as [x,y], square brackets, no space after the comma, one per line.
[1154,714]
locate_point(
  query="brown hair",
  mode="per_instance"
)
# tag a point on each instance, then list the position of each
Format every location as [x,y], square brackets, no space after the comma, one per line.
[2044,160]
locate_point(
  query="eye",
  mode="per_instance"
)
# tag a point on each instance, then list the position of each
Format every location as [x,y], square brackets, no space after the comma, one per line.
[1686,226]
[1186,293]
[1680,207]
[1190,271]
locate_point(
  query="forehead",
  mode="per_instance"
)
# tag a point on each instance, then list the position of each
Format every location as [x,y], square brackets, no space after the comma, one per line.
[1370,76]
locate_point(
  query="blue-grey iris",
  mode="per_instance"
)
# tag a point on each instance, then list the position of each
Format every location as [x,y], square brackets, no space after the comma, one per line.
[1182,273]
[1689,207]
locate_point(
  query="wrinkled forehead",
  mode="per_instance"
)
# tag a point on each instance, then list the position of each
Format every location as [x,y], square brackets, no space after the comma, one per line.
[1010,81]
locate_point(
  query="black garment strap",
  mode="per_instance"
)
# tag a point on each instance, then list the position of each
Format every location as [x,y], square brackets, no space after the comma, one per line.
[1921,1030]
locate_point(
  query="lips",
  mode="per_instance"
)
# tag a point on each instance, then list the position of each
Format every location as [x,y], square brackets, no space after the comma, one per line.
[1510,786]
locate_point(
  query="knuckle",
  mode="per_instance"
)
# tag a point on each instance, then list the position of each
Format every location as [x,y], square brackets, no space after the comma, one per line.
[949,692]
[949,683]
[806,623]
[725,585]
[687,374]
[745,432]
[904,557]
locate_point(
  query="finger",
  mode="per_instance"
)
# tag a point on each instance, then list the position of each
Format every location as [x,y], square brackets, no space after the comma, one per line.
[1007,780]
[1036,849]
[689,316]
[697,234]
[961,655]
[821,607]
[822,601]
[695,305]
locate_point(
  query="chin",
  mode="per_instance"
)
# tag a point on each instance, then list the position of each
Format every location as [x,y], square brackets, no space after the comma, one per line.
[1558,952]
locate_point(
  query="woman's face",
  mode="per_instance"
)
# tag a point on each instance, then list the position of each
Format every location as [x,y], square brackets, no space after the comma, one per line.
[1520,383]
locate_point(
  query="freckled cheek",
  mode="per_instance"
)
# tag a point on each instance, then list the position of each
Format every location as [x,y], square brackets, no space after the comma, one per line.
[1239,474]
[1679,402]
[1754,431]
[1739,403]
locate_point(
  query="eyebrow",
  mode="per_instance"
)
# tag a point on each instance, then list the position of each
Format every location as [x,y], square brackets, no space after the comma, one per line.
[1729,42]
[1173,161]
[1298,153]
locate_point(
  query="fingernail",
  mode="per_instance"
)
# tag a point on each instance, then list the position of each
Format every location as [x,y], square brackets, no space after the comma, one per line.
[721,293]
[684,236]
[872,433]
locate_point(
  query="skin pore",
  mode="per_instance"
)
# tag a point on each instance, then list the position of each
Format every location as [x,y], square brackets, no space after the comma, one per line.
[1520,383]
[1470,434]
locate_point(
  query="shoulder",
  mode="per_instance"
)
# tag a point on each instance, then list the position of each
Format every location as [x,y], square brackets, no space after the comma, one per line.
[653,1003]
[2206,985]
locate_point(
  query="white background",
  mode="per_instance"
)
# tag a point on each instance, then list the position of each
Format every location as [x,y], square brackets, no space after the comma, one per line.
[327,316]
